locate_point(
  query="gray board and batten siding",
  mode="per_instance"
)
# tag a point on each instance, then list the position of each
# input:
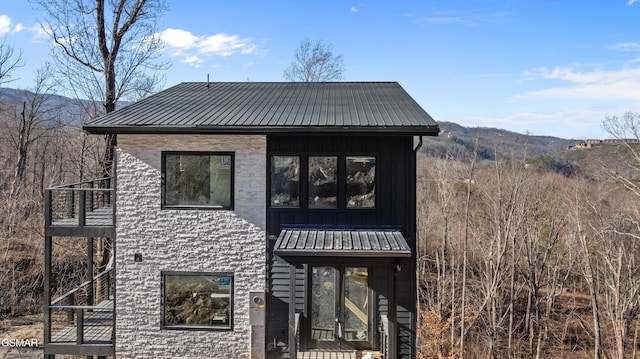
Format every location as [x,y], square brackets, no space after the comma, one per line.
[395,208]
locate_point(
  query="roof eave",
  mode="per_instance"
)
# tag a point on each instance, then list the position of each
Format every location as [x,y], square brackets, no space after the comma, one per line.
[400,130]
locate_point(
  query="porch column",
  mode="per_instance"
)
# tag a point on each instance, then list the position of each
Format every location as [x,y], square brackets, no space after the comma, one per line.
[393,319]
[293,351]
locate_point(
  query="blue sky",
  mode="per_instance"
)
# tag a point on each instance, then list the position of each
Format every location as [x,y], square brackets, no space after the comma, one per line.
[538,66]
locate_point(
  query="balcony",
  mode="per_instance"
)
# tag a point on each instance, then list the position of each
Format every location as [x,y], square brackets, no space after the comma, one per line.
[83,209]
[81,321]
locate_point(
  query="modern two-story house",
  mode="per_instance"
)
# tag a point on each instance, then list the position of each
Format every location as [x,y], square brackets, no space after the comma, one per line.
[249,220]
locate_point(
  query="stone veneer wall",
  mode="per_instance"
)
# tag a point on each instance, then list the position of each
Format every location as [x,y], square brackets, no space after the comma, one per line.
[185,240]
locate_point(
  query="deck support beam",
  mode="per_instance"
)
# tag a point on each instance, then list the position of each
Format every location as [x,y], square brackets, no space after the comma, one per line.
[47,289]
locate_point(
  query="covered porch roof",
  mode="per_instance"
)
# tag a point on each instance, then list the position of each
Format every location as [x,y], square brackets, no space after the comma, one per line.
[341,243]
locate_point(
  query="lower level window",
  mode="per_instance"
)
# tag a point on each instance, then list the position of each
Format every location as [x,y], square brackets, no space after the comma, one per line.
[197,300]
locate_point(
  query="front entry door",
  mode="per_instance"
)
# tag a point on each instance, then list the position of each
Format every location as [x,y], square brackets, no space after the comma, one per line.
[341,308]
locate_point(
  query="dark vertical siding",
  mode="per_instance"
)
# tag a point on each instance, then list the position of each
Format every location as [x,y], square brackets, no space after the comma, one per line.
[395,206]
[277,320]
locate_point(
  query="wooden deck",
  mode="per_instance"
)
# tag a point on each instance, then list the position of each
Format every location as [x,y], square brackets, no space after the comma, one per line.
[98,327]
[328,354]
[98,217]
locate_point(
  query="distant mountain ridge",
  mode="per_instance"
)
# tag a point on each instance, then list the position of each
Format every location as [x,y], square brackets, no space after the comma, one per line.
[457,141]
[72,110]
[454,140]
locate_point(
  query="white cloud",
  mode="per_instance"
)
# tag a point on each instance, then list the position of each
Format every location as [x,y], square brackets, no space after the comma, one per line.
[182,43]
[39,34]
[354,9]
[627,46]
[5,24]
[598,84]
[18,28]
[226,45]
[472,17]
[194,60]
[568,123]
[179,39]
[631,2]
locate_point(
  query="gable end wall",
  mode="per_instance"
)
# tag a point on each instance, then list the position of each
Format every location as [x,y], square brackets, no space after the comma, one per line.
[185,240]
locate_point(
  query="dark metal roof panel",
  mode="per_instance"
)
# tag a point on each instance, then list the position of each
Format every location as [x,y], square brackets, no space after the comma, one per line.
[341,243]
[260,107]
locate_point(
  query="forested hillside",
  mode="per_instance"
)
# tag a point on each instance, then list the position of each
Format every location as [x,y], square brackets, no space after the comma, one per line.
[41,145]
[519,258]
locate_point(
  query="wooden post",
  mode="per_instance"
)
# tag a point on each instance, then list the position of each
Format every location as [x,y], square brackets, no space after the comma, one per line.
[91,195]
[82,217]
[107,193]
[79,326]
[71,202]
[91,289]
[72,301]
[48,212]
[47,281]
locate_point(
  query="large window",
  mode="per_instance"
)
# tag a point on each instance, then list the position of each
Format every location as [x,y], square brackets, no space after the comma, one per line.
[285,181]
[197,179]
[326,182]
[197,300]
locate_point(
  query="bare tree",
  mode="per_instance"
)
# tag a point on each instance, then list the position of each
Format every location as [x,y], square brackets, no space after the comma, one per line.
[314,62]
[9,61]
[105,50]
[26,120]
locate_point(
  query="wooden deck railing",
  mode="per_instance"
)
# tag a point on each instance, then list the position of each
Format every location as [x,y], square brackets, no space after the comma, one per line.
[89,292]
[90,308]
[81,204]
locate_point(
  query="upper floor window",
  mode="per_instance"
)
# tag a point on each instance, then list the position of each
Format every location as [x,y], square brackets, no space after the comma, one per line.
[361,182]
[327,182]
[285,181]
[323,182]
[197,180]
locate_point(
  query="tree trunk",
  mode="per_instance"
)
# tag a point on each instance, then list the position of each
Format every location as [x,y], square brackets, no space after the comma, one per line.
[595,310]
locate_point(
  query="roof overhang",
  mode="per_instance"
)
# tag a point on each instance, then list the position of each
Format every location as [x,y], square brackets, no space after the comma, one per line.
[271,107]
[386,243]
[167,130]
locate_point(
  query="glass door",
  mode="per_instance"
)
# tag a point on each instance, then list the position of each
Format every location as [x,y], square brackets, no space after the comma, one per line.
[340,315]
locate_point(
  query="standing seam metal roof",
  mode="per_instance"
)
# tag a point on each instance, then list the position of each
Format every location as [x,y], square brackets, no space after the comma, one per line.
[225,107]
[341,243]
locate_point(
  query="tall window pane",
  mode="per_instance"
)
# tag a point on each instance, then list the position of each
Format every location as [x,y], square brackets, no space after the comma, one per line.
[285,181]
[193,180]
[361,182]
[323,182]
